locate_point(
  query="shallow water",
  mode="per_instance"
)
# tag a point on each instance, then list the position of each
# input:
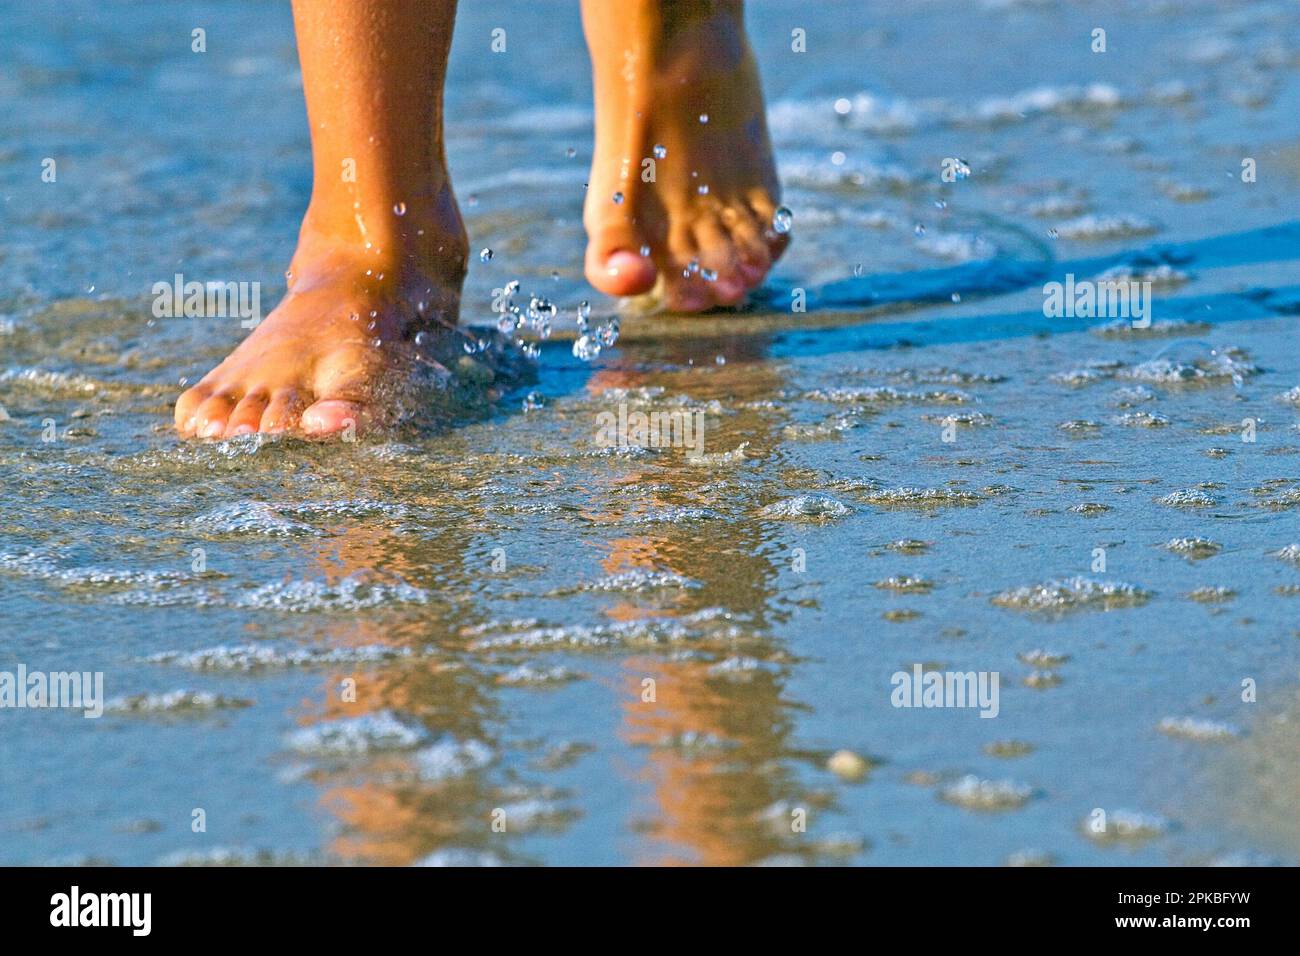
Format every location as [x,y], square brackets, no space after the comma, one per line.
[499,590]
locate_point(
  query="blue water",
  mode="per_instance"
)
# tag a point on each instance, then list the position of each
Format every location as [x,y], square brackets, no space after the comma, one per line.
[415,636]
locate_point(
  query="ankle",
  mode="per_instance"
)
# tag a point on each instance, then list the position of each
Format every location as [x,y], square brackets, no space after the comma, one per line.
[387,242]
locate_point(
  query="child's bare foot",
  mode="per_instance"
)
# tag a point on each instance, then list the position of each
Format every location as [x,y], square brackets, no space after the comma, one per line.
[382,250]
[334,354]
[676,83]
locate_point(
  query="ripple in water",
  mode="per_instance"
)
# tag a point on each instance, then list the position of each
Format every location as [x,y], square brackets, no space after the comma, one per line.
[253,657]
[1194,549]
[357,736]
[922,498]
[806,508]
[1195,728]
[1071,594]
[1125,826]
[973,793]
[175,702]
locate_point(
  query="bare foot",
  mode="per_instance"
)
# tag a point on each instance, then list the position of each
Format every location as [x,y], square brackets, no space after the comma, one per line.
[335,352]
[382,250]
[678,85]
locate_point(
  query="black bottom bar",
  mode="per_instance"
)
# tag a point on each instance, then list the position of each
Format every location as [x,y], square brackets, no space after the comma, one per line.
[335,905]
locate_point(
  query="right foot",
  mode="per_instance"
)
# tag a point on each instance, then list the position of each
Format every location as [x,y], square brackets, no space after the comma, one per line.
[703,228]
[382,251]
[333,355]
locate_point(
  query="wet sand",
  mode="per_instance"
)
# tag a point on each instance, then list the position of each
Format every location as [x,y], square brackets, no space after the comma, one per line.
[499,589]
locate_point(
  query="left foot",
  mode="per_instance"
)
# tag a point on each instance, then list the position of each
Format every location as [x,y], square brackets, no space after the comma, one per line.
[679,87]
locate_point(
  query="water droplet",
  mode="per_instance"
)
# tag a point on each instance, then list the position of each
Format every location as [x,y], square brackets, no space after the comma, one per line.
[1052,233]
[956,297]
[377,342]
[421,338]
[708,275]
[608,333]
[645,252]
[837,158]
[355,317]
[533,401]
[782,220]
[570,152]
[843,106]
[720,360]
[660,152]
[400,209]
[940,204]
[485,255]
[919,229]
[704,117]
[585,348]
[618,199]
[703,189]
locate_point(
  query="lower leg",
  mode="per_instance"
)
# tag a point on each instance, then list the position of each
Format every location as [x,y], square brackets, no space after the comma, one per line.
[677,84]
[382,249]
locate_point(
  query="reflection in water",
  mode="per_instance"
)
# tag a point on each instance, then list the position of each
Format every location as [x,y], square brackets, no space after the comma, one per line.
[716,728]
[717,744]
[525,681]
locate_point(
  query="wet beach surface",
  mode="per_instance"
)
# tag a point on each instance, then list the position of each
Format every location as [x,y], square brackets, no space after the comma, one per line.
[367,652]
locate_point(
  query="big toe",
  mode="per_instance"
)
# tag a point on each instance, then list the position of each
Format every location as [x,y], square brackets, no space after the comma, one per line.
[332,416]
[619,272]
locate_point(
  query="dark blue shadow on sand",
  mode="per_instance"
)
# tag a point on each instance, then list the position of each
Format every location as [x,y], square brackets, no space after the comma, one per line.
[882,298]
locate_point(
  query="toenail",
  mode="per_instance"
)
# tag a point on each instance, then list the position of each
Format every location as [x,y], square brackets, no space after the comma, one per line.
[211,429]
[243,430]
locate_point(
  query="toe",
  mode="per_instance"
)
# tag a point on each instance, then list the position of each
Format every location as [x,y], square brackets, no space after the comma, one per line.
[764,209]
[718,256]
[753,256]
[247,416]
[684,289]
[210,419]
[614,263]
[687,295]
[282,411]
[187,405]
[330,416]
